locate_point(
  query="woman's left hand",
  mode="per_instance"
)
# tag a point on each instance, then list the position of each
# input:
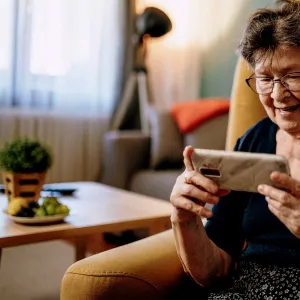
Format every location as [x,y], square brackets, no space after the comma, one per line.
[284,204]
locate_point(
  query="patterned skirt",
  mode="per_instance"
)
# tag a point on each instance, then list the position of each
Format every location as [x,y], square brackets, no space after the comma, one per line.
[254,281]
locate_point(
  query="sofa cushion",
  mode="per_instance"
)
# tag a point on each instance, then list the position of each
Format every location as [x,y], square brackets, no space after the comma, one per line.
[166,141]
[158,184]
[191,114]
[210,135]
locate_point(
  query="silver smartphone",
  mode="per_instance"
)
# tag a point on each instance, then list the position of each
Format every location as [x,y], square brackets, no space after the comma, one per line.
[239,171]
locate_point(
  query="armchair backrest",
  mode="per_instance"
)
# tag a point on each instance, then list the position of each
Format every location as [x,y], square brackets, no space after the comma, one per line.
[245,107]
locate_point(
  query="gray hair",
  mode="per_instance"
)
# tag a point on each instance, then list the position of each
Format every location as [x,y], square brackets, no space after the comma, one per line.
[269,29]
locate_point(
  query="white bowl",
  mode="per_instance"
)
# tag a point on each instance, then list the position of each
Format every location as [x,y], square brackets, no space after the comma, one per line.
[36,220]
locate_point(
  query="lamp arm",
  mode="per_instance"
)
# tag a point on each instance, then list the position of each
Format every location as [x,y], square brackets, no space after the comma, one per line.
[140,55]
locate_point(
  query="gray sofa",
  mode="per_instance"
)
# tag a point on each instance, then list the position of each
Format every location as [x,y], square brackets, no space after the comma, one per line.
[150,164]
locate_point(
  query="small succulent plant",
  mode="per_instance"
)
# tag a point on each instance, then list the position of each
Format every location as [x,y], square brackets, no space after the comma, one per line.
[25,156]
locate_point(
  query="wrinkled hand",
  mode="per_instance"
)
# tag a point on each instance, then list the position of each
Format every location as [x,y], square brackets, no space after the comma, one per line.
[192,191]
[284,204]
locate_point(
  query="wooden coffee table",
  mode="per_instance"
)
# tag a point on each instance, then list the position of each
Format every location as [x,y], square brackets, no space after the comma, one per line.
[95,209]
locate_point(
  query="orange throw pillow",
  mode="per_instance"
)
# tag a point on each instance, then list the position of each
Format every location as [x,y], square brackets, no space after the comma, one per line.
[190,114]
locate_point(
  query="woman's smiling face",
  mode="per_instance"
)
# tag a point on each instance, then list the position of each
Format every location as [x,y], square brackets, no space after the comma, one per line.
[281,105]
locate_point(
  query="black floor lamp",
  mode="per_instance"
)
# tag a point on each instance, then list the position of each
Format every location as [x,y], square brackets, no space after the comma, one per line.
[152,23]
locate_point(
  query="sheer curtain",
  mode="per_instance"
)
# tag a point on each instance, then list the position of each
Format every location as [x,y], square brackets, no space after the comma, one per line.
[62,55]
[6,50]
[175,60]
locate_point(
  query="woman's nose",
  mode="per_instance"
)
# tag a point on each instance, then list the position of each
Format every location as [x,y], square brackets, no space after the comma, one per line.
[279,91]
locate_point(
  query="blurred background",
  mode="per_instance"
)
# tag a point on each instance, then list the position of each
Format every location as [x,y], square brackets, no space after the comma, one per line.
[80,77]
[64,65]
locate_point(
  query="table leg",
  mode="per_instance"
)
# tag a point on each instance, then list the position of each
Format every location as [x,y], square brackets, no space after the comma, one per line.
[97,243]
[80,249]
[159,227]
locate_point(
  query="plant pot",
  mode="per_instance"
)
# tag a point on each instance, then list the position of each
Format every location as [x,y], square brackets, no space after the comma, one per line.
[25,185]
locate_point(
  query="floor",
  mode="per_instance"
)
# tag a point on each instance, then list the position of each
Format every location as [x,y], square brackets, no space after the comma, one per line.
[34,272]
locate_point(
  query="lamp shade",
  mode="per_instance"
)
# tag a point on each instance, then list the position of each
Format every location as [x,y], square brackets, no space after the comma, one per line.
[153,22]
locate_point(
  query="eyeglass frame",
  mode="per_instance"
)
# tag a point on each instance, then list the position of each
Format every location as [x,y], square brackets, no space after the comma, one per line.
[252,76]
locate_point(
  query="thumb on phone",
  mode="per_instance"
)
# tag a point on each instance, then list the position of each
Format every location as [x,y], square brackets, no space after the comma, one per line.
[188,150]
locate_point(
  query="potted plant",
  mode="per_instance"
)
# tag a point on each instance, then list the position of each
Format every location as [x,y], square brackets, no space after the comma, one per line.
[25,163]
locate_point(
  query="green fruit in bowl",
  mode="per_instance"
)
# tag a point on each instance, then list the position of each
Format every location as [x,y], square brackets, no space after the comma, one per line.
[49,200]
[58,210]
[39,212]
[52,206]
[62,210]
[65,209]
[50,209]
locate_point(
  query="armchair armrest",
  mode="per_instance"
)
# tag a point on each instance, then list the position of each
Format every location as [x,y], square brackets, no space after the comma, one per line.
[124,152]
[146,269]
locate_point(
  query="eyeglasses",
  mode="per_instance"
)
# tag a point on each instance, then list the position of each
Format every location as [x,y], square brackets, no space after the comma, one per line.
[265,85]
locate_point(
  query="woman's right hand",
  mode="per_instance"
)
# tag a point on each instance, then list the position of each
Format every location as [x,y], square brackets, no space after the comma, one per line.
[192,191]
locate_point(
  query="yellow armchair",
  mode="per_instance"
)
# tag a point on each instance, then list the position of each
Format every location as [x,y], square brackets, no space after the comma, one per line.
[150,268]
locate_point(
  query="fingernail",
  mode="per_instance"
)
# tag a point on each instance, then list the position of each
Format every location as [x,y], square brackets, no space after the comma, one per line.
[209,215]
[267,198]
[260,188]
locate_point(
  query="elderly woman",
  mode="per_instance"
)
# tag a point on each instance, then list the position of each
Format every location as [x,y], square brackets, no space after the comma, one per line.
[250,246]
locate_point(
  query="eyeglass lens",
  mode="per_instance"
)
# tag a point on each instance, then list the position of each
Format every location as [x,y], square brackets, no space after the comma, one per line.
[264,85]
